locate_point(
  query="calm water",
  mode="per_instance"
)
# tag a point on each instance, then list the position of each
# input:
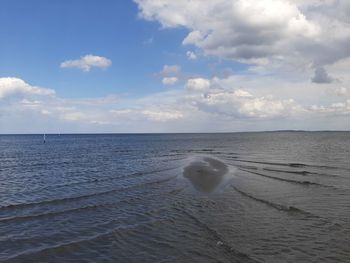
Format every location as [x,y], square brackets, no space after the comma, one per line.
[245,197]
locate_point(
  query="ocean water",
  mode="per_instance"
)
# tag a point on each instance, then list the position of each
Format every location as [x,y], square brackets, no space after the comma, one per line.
[241,197]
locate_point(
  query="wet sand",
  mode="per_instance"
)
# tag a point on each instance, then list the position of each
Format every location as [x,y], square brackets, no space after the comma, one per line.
[205,175]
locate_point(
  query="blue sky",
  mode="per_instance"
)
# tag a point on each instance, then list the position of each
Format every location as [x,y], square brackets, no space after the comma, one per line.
[41,34]
[49,32]
[175,66]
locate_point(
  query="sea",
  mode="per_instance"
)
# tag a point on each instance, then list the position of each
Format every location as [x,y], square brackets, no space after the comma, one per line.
[225,197]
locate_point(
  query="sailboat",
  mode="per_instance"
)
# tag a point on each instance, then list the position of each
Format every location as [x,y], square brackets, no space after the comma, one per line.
[44,138]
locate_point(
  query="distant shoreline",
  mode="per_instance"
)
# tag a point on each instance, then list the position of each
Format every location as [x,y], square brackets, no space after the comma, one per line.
[178,133]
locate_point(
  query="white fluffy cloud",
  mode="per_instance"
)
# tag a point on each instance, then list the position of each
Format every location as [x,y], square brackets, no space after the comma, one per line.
[198,84]
[170,74]
[242,104]
[15,86]
[340,108]
[280,32]
[238,29]
[191,55]
[162,115]
[169,80]
[87,62]
[151,114]
[232,103]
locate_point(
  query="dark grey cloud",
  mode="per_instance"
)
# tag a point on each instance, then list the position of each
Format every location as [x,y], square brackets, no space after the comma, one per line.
[322,77]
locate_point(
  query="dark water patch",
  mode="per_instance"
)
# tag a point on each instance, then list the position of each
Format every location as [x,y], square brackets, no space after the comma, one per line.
[198,151]
[173,155]
[261,162]
[232,157]
[206,150]
[298,165]
[304,173]
[205,175]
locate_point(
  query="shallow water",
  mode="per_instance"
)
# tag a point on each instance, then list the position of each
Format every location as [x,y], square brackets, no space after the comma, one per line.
[243,197]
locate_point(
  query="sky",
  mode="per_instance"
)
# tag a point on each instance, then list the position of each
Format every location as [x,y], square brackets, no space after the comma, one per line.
[88,66]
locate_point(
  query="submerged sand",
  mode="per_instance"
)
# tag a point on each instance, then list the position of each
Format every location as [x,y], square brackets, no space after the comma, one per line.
[205,175]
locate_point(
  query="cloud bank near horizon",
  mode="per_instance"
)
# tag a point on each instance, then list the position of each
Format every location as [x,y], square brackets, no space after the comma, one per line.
[215,104]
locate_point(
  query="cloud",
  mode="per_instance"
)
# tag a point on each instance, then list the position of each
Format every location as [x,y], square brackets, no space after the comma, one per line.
[151,114]
[272,33]
[338,91]
[221,97]
[234,29]
[198,84]
[338,108]
[169,80]
[233,103]
[191,55]
[170,70]
[162,115]
[10,86]
[322,77]
[87,62]
[73,116]
[170,74]
[241,104]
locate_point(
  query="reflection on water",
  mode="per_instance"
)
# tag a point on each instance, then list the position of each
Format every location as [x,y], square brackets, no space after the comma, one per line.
[206,174]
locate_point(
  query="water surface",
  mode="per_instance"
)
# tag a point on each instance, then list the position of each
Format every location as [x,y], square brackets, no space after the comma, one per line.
[242,197]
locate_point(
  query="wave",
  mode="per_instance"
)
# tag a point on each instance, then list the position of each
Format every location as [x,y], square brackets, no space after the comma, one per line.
[304,173]
[200,151]
[33,253]
[108,228]
[220,241]
[36,164]
[295,165]
[43,215]
[291,209]
[248,167]
[90,181]
[77,209]
[288,209]
[177,191]
[304,183]
[123,151]
[75,198]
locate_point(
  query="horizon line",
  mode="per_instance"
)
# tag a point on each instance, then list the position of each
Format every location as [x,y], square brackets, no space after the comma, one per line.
[159,133]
